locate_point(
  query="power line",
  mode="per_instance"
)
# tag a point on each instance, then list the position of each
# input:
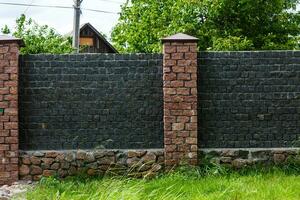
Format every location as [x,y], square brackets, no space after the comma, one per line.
[49,6]
[110,1]
[102,11]
[34,5]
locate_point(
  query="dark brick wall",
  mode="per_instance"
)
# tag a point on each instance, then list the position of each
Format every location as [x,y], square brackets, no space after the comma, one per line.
[246,99]
[249,99]
[91,101]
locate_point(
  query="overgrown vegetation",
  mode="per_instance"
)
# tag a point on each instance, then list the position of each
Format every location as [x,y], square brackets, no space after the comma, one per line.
[219,24]
[37,38]
[209,182]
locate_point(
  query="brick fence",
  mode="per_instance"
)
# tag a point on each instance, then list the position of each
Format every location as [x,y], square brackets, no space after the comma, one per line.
[145,111]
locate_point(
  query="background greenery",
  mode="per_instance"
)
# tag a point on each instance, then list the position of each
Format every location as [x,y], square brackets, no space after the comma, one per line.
[39,39]
[219,24]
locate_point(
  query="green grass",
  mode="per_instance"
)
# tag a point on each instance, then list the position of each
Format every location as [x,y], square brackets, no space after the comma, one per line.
[187,184]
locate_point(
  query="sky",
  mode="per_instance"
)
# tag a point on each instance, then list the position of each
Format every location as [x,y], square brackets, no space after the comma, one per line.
[62,19]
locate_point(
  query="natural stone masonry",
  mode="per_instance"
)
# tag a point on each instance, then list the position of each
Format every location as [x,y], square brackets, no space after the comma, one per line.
[249,99]
[86,101]
[180,99]
[140,163]
[9,54]
[137,163]
[243,157]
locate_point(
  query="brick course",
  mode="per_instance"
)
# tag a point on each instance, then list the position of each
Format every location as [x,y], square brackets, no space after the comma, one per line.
[180,102]
[9,118]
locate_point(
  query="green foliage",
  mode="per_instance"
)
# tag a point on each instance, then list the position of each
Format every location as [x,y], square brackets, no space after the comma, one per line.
[183,184]
[231,43]
[5,30]
[219,24]
[39,39]
[142,25]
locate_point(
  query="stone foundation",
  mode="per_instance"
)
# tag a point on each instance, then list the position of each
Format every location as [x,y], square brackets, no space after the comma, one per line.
[239,158]
[138,163]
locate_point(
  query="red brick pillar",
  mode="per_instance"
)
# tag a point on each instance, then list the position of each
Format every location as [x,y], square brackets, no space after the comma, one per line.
[9,55]
[180,100]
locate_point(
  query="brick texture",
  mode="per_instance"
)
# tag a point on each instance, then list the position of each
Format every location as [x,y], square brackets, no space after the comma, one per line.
[180,102]
[9,118]
[249,99]
[91,101]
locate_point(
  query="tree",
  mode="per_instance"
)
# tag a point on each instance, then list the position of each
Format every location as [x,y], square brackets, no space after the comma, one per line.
[219,24]
[39,39]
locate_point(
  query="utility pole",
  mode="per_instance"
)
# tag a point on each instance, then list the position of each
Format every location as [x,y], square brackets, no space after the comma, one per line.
[76,24]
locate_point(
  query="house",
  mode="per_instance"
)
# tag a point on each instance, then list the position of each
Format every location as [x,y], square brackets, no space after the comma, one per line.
[92,41]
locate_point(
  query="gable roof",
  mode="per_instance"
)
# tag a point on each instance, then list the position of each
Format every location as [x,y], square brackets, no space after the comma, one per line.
[82,26]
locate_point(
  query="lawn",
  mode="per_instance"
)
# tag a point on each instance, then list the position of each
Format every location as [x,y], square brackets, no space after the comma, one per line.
[187,184]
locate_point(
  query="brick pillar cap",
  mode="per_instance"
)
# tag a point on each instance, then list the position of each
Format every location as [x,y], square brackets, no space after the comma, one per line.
[180,37]
[10,39]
